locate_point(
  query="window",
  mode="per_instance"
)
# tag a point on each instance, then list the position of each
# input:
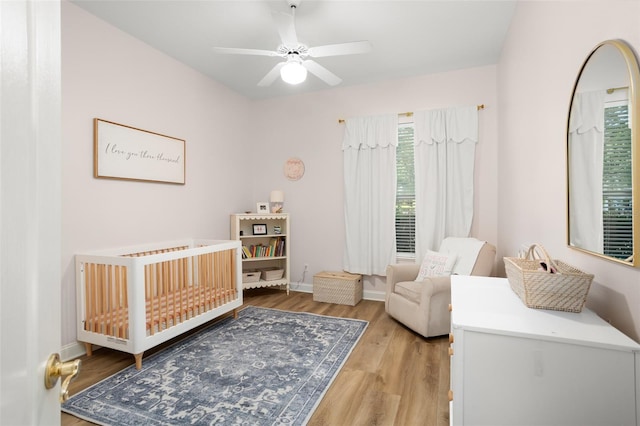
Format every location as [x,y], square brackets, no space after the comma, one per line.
[616,183]
[405,192]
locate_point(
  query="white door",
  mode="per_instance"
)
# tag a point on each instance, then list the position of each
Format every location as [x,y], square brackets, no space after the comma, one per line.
[30,218]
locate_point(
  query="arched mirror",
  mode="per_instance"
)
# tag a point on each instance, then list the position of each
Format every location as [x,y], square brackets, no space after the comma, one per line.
[603,155]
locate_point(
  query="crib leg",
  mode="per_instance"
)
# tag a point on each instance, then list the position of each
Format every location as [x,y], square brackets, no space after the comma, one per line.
[235,313]
[138,358]
[88,348]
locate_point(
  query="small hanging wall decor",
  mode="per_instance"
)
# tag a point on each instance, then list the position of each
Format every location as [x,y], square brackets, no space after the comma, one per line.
[294,168]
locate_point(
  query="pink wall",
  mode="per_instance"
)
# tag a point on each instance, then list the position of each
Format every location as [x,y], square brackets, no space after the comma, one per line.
[546,46]
[307,126]
[110,75]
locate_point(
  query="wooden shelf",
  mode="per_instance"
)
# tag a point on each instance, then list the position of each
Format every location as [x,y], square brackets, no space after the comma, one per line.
[242,237]
[260,259]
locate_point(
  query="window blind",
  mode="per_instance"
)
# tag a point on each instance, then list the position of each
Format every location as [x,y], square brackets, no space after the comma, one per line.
[616,183]
[405,191]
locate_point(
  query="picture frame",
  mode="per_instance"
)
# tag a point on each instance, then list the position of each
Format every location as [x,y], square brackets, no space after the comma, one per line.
[262,207]
[259,229]
[128,153]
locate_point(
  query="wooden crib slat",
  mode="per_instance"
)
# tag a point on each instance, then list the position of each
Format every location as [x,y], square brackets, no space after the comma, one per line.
[210,281]
[228,271]
[100,293]
[224,277]
[215,279]
[184,305]
[221,277]
[204,281]
[183,277]
[98,296]
[156,285]
[150,295]
[218,280]
[164,285]
[235,278]
[229,275]
[110,292]
[232,274]
[184,274]
[180,287]
[117,301]
[120,331]
[161,271]
[170,293]
[199,281]
[125,290]
[218,269]
[175,285]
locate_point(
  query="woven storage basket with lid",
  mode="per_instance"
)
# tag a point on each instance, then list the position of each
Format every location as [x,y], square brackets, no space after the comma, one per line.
[544,283]
[337,287]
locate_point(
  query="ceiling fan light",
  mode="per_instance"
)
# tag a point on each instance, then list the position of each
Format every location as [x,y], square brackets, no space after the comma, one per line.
[293,72]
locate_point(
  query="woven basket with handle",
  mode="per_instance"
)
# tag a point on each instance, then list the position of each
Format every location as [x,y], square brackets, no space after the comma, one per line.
[544,283]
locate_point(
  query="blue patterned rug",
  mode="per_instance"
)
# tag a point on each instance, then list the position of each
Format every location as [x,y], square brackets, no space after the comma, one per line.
[267,367]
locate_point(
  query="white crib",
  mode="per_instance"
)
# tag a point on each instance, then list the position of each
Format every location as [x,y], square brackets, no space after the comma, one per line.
[135,298]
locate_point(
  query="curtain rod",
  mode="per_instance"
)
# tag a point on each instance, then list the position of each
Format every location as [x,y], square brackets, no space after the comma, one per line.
[409,114]
[613,89]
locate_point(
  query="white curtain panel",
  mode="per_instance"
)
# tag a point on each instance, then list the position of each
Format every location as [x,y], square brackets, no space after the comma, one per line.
[445,143]
[586,152]
[369,148]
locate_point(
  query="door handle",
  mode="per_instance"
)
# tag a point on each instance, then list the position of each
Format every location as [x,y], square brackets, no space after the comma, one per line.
[55,368]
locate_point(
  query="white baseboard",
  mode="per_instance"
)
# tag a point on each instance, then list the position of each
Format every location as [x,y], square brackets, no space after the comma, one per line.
[377,296]
[72,351]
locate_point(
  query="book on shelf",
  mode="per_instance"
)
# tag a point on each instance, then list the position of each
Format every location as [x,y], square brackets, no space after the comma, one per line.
[275,248]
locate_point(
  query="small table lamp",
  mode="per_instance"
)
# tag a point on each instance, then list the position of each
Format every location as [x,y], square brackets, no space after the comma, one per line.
[277,201]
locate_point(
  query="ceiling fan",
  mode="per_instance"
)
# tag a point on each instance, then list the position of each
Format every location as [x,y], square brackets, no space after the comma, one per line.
[294,69]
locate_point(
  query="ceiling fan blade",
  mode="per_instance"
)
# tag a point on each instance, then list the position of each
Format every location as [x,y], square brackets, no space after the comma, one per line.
[321,72]
[271,75]
[285,23]
[351,48]
[240,51]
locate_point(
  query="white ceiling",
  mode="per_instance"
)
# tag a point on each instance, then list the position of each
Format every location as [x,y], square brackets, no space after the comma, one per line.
[409,38]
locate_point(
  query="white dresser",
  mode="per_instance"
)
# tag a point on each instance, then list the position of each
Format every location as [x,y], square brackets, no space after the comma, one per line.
[512,365]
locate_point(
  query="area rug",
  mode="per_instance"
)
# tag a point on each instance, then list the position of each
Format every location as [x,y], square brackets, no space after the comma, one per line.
[267,367]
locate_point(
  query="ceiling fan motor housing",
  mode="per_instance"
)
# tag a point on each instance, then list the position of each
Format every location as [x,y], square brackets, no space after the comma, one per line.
[300,50]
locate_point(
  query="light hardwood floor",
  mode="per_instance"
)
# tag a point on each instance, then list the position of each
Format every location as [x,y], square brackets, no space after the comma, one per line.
[393,376]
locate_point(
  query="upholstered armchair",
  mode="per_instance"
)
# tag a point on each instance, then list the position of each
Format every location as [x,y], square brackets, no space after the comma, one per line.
[423,304]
